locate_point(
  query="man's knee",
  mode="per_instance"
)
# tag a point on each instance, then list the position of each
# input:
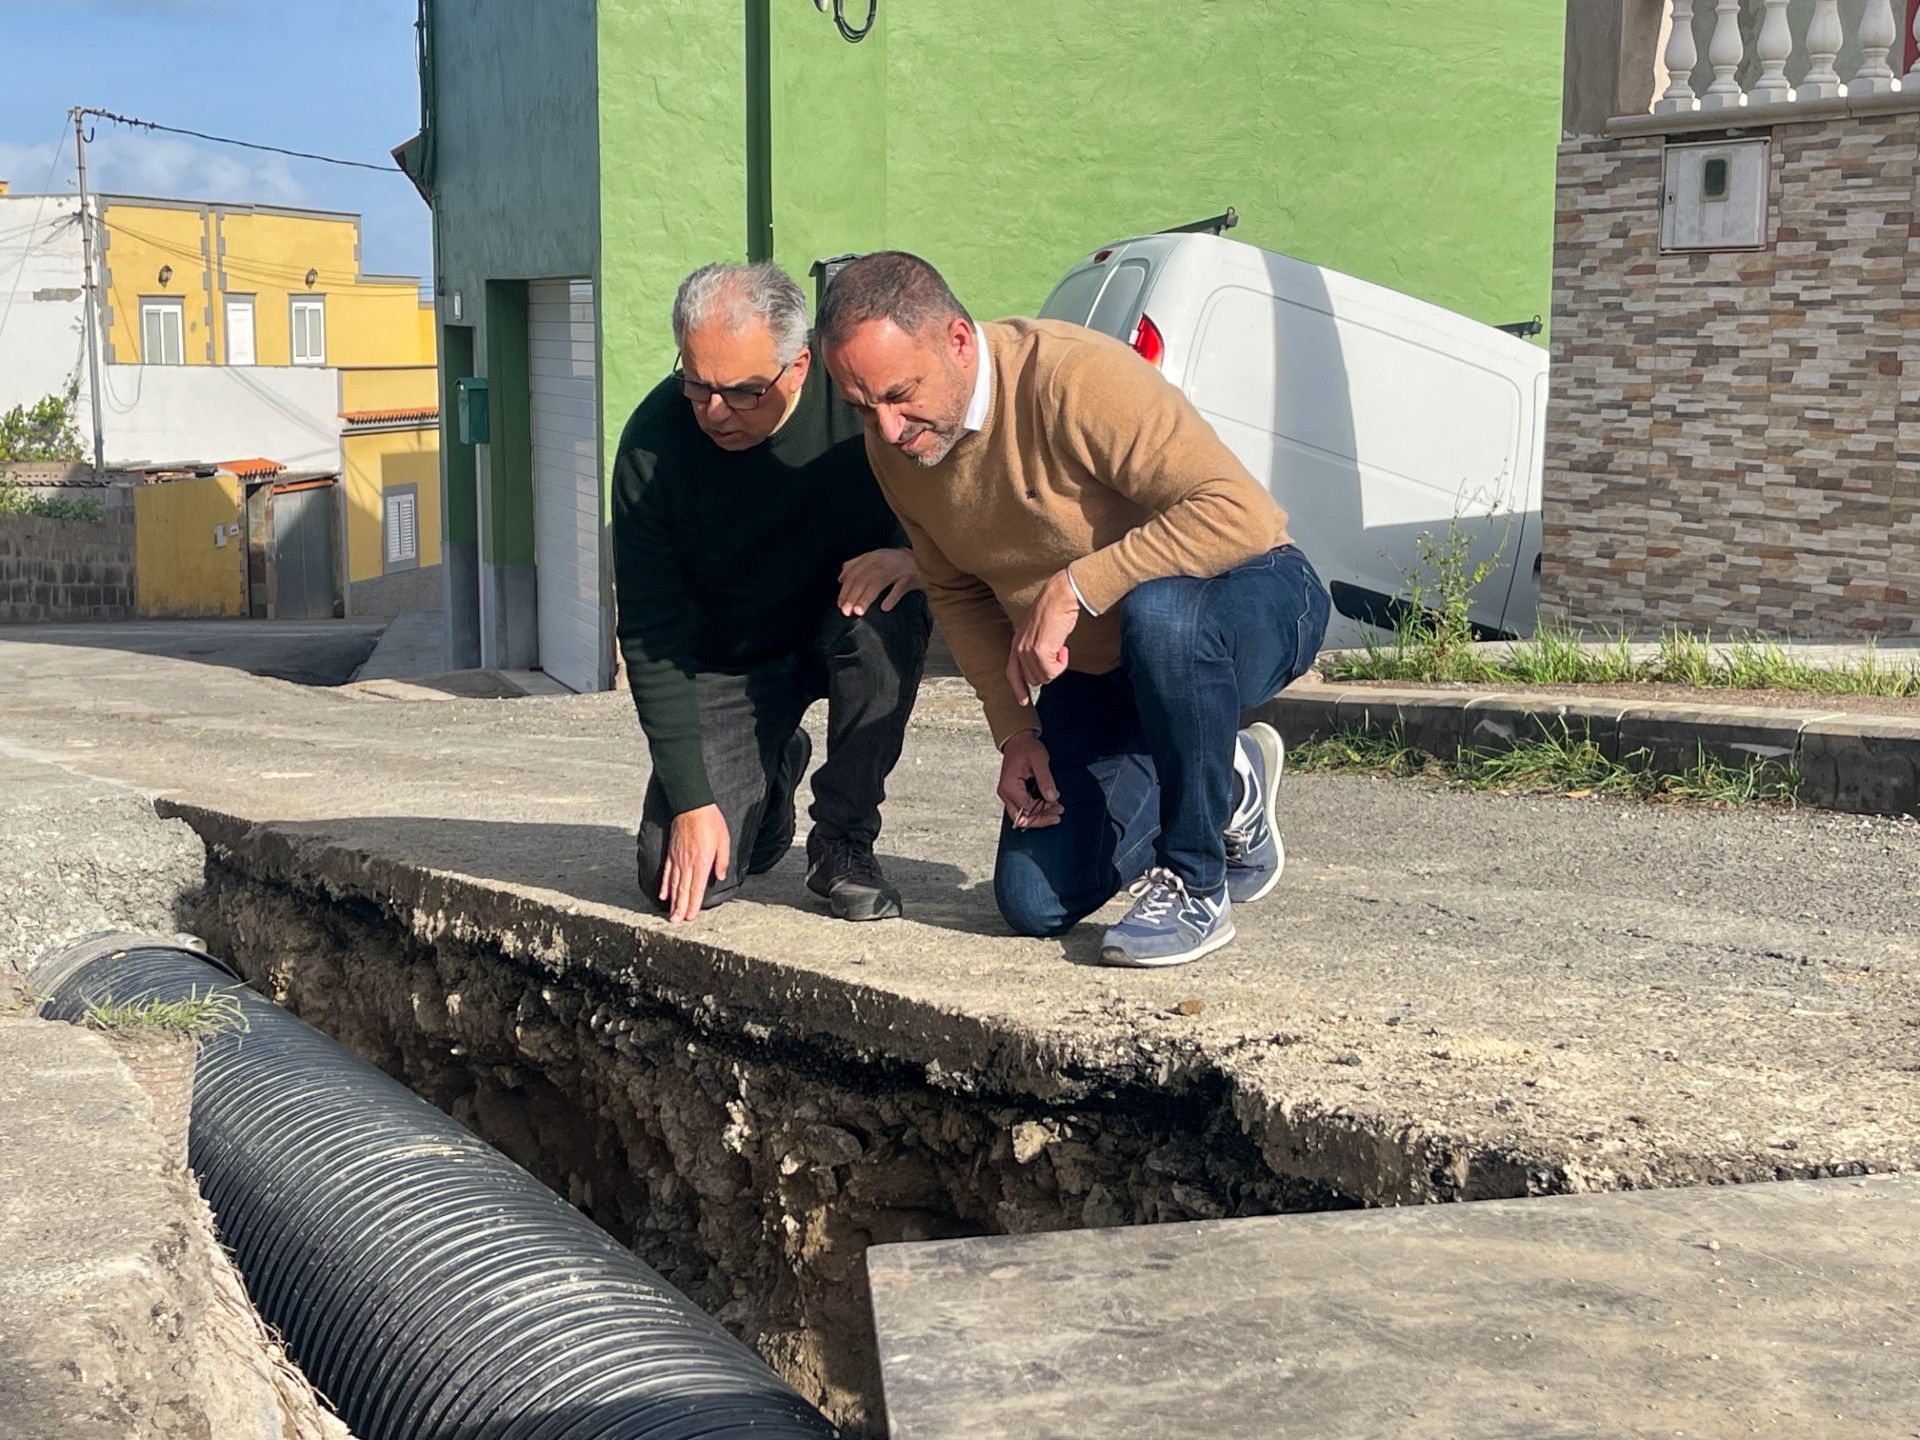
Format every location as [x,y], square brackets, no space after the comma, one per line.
[1161,620]
[901,631]
[1028,904]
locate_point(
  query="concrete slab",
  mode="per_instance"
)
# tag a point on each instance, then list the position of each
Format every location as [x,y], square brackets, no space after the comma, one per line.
[1450,996]
[413,643]
[119,1315]
[79,854]
[1870,766]
[1788,1310]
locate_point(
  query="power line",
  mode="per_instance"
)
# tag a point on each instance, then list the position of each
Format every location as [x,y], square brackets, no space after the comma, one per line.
[26,249]
[389,168]
[245,266]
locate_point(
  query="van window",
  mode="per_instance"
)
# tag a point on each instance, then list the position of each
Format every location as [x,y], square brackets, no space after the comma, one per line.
[1073,297]
[1119,302]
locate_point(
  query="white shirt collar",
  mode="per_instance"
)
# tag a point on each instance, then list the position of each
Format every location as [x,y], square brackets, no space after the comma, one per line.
[982,386]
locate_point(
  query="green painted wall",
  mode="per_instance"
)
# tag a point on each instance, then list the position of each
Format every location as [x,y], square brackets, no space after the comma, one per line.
[509,490]
[516,186]
[673,175]
[1410,142]
[459,505]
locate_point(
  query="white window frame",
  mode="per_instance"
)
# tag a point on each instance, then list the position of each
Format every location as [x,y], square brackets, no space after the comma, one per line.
[246,302]
[314,305]
[162,307]
[399,515]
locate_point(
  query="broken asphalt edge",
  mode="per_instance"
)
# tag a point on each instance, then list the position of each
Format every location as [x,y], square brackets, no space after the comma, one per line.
[1383,1154]
[1859,764]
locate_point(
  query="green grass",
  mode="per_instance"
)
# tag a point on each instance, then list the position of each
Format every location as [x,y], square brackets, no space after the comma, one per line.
[1750,662]
[1553,764]
[213,1013]
[19,500]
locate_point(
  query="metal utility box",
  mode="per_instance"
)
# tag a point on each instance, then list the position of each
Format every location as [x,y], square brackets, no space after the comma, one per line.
[471,391]
[823,272]
[1715,196]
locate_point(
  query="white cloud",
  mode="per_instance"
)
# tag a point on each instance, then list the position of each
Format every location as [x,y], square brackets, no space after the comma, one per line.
[133,163]
[27,168]
[136,163]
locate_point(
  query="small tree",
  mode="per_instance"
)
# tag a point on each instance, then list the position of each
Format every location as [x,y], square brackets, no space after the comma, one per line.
[44,430]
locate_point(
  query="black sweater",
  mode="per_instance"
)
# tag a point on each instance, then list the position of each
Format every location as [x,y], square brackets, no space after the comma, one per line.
[724,559]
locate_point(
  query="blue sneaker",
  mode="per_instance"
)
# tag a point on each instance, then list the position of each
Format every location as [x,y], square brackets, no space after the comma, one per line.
[1167,925]
[1255,853]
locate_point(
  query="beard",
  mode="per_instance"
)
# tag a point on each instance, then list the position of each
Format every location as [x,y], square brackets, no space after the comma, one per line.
[945,437]
[948,430]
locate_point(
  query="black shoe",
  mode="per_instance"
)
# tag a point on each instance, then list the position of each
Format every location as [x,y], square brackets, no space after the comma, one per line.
[770,846]
[843,871]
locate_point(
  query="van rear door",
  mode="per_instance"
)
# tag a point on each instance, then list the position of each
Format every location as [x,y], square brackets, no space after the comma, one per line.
[1108,290]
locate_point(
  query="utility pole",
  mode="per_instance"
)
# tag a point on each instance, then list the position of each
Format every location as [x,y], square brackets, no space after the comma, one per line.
[93,299]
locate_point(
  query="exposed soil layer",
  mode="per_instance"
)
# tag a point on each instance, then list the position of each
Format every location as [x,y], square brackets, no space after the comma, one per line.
[752,1169]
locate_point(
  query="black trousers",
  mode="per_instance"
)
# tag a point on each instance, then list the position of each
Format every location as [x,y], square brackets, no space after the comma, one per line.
[867,668]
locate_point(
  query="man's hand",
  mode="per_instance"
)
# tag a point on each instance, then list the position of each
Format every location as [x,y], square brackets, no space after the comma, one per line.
[883,575]
[697,853]
[1029,806]
[1039,651]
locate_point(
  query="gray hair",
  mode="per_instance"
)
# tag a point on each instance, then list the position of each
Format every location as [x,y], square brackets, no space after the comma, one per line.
[738,296]
[887,285]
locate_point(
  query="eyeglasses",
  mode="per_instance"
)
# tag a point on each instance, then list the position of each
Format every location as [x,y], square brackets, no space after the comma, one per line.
[735,397]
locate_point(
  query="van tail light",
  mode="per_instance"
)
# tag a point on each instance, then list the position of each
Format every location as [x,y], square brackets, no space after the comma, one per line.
[1147,341]
[1100,255]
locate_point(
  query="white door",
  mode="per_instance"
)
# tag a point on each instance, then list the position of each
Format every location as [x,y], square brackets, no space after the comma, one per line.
[240,332]
[566,479]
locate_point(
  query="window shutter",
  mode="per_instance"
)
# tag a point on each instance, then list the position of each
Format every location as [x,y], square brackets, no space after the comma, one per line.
[403,529]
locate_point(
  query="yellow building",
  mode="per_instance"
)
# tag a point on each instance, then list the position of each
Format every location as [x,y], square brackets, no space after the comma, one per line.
[390,479]
[196,283]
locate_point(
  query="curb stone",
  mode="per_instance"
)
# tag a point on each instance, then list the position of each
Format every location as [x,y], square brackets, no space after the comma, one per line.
[1865,765]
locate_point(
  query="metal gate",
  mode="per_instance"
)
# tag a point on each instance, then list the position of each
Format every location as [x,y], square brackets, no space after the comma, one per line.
[303,578]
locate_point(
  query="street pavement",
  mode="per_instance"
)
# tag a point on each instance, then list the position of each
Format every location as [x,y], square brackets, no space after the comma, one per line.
[1450,996]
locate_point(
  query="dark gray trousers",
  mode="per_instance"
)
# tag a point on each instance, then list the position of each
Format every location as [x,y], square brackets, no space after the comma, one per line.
[867,669]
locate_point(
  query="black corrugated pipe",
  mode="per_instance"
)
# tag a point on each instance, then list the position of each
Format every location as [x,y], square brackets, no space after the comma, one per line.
[428,1286]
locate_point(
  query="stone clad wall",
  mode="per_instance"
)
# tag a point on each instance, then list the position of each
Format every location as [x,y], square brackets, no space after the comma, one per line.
[1734,439]
[66,569]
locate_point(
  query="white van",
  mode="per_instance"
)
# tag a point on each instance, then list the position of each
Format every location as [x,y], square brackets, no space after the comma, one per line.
[1372,417]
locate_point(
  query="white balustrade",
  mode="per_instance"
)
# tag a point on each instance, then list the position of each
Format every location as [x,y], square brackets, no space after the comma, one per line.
[1880,35]
[1681,57]
[1726,50]
[1824,38]
[1878,31]
[1775,47]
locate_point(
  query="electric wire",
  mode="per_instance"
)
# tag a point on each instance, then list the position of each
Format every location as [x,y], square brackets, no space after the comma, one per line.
[853,34]
[391,167]
[59,149]
[251,267]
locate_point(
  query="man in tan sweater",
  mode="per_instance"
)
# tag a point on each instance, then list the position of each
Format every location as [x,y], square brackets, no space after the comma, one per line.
[1084,533]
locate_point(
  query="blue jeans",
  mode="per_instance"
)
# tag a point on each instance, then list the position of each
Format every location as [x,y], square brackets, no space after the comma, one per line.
[1143,755]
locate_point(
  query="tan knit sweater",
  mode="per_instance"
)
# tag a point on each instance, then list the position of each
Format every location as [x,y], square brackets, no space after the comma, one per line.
[1089,457]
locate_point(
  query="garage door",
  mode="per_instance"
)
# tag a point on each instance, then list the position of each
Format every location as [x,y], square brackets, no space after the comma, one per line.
[566,479]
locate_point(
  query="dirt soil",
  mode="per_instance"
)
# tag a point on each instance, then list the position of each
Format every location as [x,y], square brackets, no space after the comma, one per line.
[1904,707]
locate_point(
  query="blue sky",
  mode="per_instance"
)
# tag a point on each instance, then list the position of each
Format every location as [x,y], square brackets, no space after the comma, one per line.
[331,76]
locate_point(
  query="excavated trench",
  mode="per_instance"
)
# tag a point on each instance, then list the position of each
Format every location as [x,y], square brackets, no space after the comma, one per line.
[751,1166]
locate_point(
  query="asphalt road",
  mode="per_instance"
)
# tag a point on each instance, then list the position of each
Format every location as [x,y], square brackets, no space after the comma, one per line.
[305,652]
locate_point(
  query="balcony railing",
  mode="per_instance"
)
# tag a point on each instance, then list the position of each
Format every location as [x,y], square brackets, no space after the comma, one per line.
[1778,59]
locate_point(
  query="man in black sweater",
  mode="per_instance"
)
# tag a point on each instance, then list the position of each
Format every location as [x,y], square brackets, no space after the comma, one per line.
[759,570]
